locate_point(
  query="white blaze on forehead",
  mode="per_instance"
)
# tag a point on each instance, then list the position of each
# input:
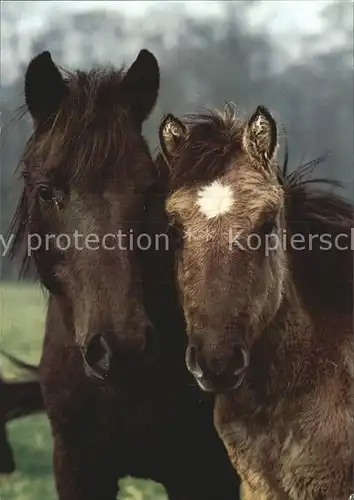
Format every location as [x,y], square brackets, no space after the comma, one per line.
[215,200]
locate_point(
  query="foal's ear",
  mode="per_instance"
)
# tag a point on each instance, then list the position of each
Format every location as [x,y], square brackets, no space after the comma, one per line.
[171,133]
[44,87]
[260,138]
[140,85]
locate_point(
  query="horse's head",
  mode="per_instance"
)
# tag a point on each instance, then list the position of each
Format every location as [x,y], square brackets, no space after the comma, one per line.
[86,171]
[227,207]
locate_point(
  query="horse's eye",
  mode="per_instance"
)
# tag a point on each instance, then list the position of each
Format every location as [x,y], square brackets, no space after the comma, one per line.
[45,193]
[268,227]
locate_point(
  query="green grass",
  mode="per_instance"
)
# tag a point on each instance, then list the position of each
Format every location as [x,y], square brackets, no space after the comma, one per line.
[22,308]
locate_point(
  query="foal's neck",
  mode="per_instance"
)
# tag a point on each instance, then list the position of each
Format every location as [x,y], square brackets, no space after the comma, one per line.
[283,347]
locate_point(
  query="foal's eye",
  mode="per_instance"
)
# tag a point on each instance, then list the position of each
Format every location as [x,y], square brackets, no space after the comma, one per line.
[173,222]
[268,227]
[175,227]
[45,193]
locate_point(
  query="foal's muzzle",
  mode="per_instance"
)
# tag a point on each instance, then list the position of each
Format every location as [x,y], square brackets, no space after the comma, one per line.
[216,369]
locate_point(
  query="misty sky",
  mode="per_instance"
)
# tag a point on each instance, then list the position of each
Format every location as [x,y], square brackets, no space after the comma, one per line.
[287,21]
[282,17]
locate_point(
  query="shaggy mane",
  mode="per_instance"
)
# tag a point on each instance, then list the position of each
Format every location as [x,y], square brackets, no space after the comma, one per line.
[324,276]
[213,139]
[93,111]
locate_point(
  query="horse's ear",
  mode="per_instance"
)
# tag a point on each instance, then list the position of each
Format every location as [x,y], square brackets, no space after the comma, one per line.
[44,87]
[260,138]
[140,85]
[171,133]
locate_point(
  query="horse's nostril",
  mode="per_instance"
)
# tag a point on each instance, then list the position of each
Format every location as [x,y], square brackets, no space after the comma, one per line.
[97,356]
[240,359]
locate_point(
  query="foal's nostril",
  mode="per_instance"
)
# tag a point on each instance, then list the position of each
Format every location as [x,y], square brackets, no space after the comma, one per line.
[191,355]
[98,355]
[192,361]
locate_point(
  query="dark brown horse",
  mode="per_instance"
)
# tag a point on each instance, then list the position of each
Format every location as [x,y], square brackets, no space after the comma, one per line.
[18,398]
[265,270]
[119,398]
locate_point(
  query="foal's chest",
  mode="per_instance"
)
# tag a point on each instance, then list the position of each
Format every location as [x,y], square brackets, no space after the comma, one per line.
[253,447]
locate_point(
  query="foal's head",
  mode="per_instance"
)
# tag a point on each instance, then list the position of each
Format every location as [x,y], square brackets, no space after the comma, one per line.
[226,204]
[86,171]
